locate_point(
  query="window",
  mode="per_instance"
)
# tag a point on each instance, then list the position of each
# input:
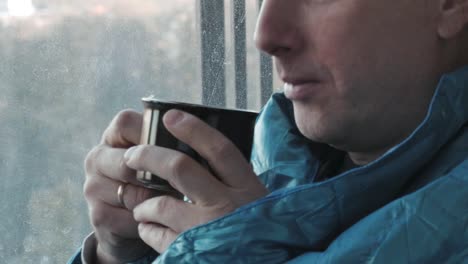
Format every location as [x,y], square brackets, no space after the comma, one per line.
[66,68]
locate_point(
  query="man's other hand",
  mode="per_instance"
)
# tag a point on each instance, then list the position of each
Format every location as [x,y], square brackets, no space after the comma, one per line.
[115,228]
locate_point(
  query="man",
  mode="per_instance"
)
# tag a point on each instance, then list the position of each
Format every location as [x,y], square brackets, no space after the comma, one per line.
[363,159]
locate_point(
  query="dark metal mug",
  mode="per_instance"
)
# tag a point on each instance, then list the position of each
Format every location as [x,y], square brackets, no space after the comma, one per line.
[236,125]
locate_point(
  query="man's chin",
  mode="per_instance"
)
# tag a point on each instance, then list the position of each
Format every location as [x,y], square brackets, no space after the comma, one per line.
[322,134]
[309,122]
[312,133]
[315,124]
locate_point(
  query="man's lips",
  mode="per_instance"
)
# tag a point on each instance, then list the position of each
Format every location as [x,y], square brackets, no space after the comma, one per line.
[301,90]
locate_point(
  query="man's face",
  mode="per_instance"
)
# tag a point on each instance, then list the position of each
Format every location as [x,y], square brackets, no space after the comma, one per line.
[361,72]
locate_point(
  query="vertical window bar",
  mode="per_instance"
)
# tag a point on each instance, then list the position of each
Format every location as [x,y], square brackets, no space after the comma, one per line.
[212,50]
[266,73]
[266,77]
[240,53]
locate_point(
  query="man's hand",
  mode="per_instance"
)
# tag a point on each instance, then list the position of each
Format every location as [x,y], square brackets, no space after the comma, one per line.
[163,218]
[115,228]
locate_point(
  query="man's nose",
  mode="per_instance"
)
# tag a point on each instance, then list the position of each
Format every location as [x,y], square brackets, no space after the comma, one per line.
[275,32]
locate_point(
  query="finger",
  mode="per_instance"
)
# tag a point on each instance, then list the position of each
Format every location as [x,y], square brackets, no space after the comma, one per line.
[124,130]
[222,155]
[122,249]
[105,190]
[156,236]
[109,162]
[110,220]
[169,212]
[182,172]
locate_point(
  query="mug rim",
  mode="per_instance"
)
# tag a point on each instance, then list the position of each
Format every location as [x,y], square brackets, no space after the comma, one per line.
[156,103]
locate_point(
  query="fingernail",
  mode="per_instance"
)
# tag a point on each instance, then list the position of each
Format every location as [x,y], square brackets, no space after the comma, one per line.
[173,117]
[135,214]
[129,152]
[141,226]
[136,210]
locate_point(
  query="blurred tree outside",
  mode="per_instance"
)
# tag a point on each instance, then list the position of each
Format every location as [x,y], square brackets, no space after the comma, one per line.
[64,73]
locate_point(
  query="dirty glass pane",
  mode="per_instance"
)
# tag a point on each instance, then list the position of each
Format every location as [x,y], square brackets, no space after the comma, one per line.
[66,68]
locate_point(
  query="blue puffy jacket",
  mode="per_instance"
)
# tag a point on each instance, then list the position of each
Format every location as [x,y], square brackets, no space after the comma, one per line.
[409,206]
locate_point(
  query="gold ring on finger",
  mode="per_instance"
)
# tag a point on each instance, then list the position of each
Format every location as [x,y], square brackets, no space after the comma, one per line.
[120,195]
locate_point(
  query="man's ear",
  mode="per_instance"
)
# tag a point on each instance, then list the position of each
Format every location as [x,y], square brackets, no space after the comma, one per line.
[453,19]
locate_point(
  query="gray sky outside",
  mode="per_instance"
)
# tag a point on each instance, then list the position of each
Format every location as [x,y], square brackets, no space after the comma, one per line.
[66,68]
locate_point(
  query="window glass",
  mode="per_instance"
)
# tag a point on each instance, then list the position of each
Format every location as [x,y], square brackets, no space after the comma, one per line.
[66,68]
